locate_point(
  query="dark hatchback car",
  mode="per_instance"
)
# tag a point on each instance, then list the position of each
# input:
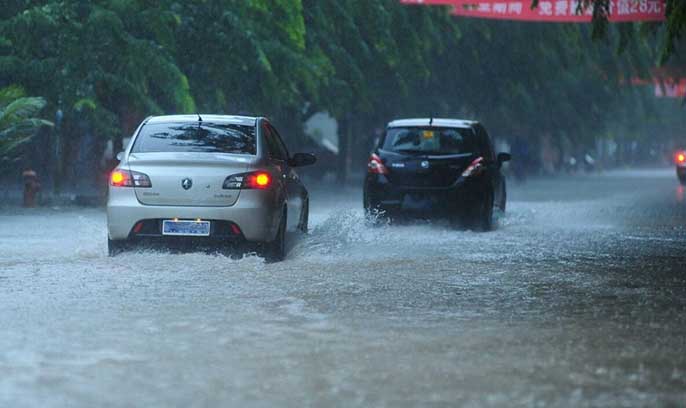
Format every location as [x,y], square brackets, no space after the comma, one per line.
[436,167]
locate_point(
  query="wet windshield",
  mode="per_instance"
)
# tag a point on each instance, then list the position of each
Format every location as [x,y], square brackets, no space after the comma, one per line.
[429,140]
[194,137]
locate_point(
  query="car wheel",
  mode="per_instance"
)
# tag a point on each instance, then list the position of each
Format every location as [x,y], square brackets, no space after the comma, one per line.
[367,203]
[116,247]
[485,214]
[503,199]
[682,180]
[275,251]
[305,217]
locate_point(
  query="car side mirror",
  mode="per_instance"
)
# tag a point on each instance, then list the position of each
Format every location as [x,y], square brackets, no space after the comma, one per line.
[120,156]
[302,159]
[504,157]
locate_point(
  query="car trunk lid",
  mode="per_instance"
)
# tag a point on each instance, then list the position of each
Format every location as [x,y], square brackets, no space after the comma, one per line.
[187,179]
[426,171]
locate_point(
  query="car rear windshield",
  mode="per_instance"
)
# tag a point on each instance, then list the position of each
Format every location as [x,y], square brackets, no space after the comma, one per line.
[429,140]
[198,137]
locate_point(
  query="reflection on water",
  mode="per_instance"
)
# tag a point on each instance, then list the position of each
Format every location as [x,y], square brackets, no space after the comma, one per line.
[680,194]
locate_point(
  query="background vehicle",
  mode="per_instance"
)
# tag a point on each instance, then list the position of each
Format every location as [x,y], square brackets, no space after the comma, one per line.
[213,179]
[442,167]
[680,161]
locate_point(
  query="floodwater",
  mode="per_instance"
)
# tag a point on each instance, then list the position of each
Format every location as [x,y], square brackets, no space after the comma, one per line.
[577,299]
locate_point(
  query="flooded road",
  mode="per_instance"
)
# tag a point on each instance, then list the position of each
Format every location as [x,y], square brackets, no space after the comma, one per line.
[578,299]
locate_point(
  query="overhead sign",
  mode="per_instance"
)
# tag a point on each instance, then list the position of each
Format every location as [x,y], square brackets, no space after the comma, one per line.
[561,11]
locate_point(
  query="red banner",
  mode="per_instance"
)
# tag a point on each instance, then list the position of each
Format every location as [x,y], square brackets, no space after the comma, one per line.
[434,2]
[559,10]
[551,10]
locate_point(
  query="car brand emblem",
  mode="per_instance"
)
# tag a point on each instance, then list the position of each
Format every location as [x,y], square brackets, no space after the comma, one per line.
[186,183]
[424,164]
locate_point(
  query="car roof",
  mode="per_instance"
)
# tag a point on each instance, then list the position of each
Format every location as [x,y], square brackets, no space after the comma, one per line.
[435,122]
[233,119]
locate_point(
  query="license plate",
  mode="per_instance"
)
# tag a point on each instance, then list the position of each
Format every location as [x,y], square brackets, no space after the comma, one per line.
[186,228]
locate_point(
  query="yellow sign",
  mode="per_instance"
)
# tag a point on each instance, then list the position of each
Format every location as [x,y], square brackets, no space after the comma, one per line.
[428,134]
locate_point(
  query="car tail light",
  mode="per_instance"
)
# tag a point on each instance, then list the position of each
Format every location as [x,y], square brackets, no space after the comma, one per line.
[376,166]
[127,178]
[259,180]
[681,157]
[475,168]
[120,178]
[234,182]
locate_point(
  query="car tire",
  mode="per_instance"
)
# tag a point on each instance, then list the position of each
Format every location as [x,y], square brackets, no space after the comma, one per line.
[305,217]
[369,207]
[116,247]
[682,180]
[485,214]
[275,251]
[503,198]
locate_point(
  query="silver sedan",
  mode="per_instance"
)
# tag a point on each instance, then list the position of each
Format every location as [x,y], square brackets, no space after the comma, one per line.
[207,178]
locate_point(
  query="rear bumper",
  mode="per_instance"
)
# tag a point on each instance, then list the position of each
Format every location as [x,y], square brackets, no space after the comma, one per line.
[257,214]
[381,193]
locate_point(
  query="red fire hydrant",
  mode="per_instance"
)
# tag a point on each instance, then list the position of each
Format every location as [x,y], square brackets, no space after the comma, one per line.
[31,187]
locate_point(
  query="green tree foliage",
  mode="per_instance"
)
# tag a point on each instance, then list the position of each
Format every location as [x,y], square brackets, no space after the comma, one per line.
[669,32]
[18,119]
[106,56]
[245,56]
[111,63]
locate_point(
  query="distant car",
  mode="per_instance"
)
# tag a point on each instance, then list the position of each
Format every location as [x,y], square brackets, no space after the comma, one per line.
[208,178]
[680,160]
[436,167]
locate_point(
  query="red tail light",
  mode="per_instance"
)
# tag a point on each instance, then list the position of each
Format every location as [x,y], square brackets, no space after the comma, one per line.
[126,178]
[260,180]
[475,168]
[120,179]
[376,166]
[681,157]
